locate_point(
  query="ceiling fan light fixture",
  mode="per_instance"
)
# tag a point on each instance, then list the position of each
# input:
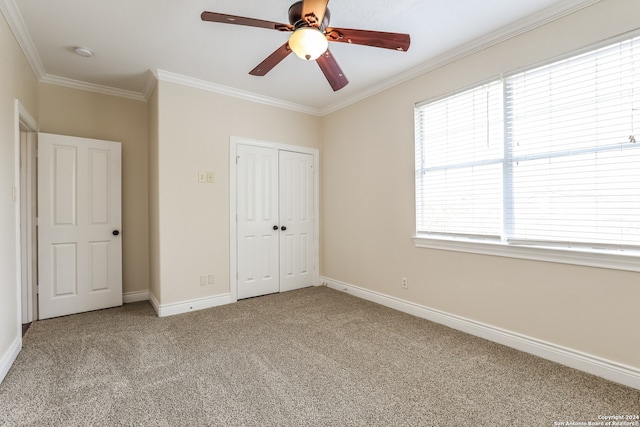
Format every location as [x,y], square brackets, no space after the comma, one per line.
[308,43]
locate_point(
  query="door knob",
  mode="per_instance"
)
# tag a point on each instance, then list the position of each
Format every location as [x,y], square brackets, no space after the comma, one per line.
[275,227]
[283,228]
[115,232]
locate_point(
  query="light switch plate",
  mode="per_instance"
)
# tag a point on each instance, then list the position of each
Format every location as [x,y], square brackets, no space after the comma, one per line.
[202,176]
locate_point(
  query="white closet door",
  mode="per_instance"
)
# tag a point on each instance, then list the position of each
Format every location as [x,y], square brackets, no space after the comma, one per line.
[275,220]
[258,227]
[296,220]
[79,222]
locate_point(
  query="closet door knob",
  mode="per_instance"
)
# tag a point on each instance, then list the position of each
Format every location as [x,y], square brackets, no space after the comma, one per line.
[275,227]
[115,232]
[283,228]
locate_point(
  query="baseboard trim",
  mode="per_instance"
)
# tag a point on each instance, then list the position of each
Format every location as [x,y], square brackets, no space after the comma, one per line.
[591,364]
[154,303]
[129,297]
[9,357]
[163,310]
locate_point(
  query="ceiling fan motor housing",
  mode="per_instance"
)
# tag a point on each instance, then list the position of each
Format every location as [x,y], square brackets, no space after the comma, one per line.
[295,17]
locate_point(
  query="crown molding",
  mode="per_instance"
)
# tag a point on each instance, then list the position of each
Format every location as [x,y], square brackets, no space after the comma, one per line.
[168,76]
[19,29]
[91,87]
[150,85]
[520,27]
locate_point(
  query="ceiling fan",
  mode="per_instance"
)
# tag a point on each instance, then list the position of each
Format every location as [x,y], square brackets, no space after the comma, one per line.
[309,25]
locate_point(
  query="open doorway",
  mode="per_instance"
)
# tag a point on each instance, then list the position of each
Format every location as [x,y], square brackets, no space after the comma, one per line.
[27,215]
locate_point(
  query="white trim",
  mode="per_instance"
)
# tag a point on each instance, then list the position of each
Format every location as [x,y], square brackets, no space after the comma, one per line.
[9,357]
[154,303]
[593,258]
[230,91]
[137,296]
[150,85]
[25,116]
[163,310]
[92,87]
[234,141]
[233,219]
[610,370]
[19,29]
[18,213]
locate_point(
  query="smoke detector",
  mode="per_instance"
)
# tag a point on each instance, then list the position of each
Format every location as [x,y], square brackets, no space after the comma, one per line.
[84,51]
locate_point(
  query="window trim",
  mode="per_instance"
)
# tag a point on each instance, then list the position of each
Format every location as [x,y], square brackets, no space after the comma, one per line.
[628,260]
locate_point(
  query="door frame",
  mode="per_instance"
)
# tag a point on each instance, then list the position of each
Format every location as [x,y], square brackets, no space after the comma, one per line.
[234,141]
[24,122]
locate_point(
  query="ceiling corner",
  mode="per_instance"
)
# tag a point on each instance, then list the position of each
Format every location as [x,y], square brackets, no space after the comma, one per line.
[19,29]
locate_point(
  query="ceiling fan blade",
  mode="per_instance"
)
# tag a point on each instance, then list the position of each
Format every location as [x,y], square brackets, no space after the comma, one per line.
[271,61]
[332,71]
[313,11]
[241,20]
[395,41]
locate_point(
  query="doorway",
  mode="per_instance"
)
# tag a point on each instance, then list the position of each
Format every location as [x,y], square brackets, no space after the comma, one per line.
[71,261]
[274,217]
[26,189]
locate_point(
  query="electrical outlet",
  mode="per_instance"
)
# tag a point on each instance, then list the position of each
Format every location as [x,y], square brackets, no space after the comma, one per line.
[405,283]
[210,177]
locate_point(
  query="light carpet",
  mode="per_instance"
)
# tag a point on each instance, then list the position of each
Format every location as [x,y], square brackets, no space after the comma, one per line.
[312,357]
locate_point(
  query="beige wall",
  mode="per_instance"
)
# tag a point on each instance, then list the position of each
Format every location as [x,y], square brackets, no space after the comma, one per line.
[92,115]
[154,213]
[194,127]
[368,211]
[176,229]
[17,81]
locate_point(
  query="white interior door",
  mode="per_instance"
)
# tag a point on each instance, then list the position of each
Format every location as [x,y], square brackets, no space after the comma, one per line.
[79,223]
[275,220]
[296,220]
[258,228]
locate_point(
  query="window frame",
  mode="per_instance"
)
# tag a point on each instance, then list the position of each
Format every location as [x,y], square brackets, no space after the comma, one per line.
[627,259]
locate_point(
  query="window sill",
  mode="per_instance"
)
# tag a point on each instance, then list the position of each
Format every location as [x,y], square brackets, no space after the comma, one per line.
[600,259]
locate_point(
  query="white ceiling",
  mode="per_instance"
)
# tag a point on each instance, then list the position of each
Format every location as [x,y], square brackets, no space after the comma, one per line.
[133,38]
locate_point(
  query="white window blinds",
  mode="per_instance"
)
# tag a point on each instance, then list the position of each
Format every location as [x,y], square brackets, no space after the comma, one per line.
[459,163]
[575,166]
[546,157]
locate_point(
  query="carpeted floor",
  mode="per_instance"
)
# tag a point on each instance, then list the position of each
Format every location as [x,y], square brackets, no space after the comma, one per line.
[313,357]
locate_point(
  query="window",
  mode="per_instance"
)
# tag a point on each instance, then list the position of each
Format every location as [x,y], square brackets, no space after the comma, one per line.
[546,157]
